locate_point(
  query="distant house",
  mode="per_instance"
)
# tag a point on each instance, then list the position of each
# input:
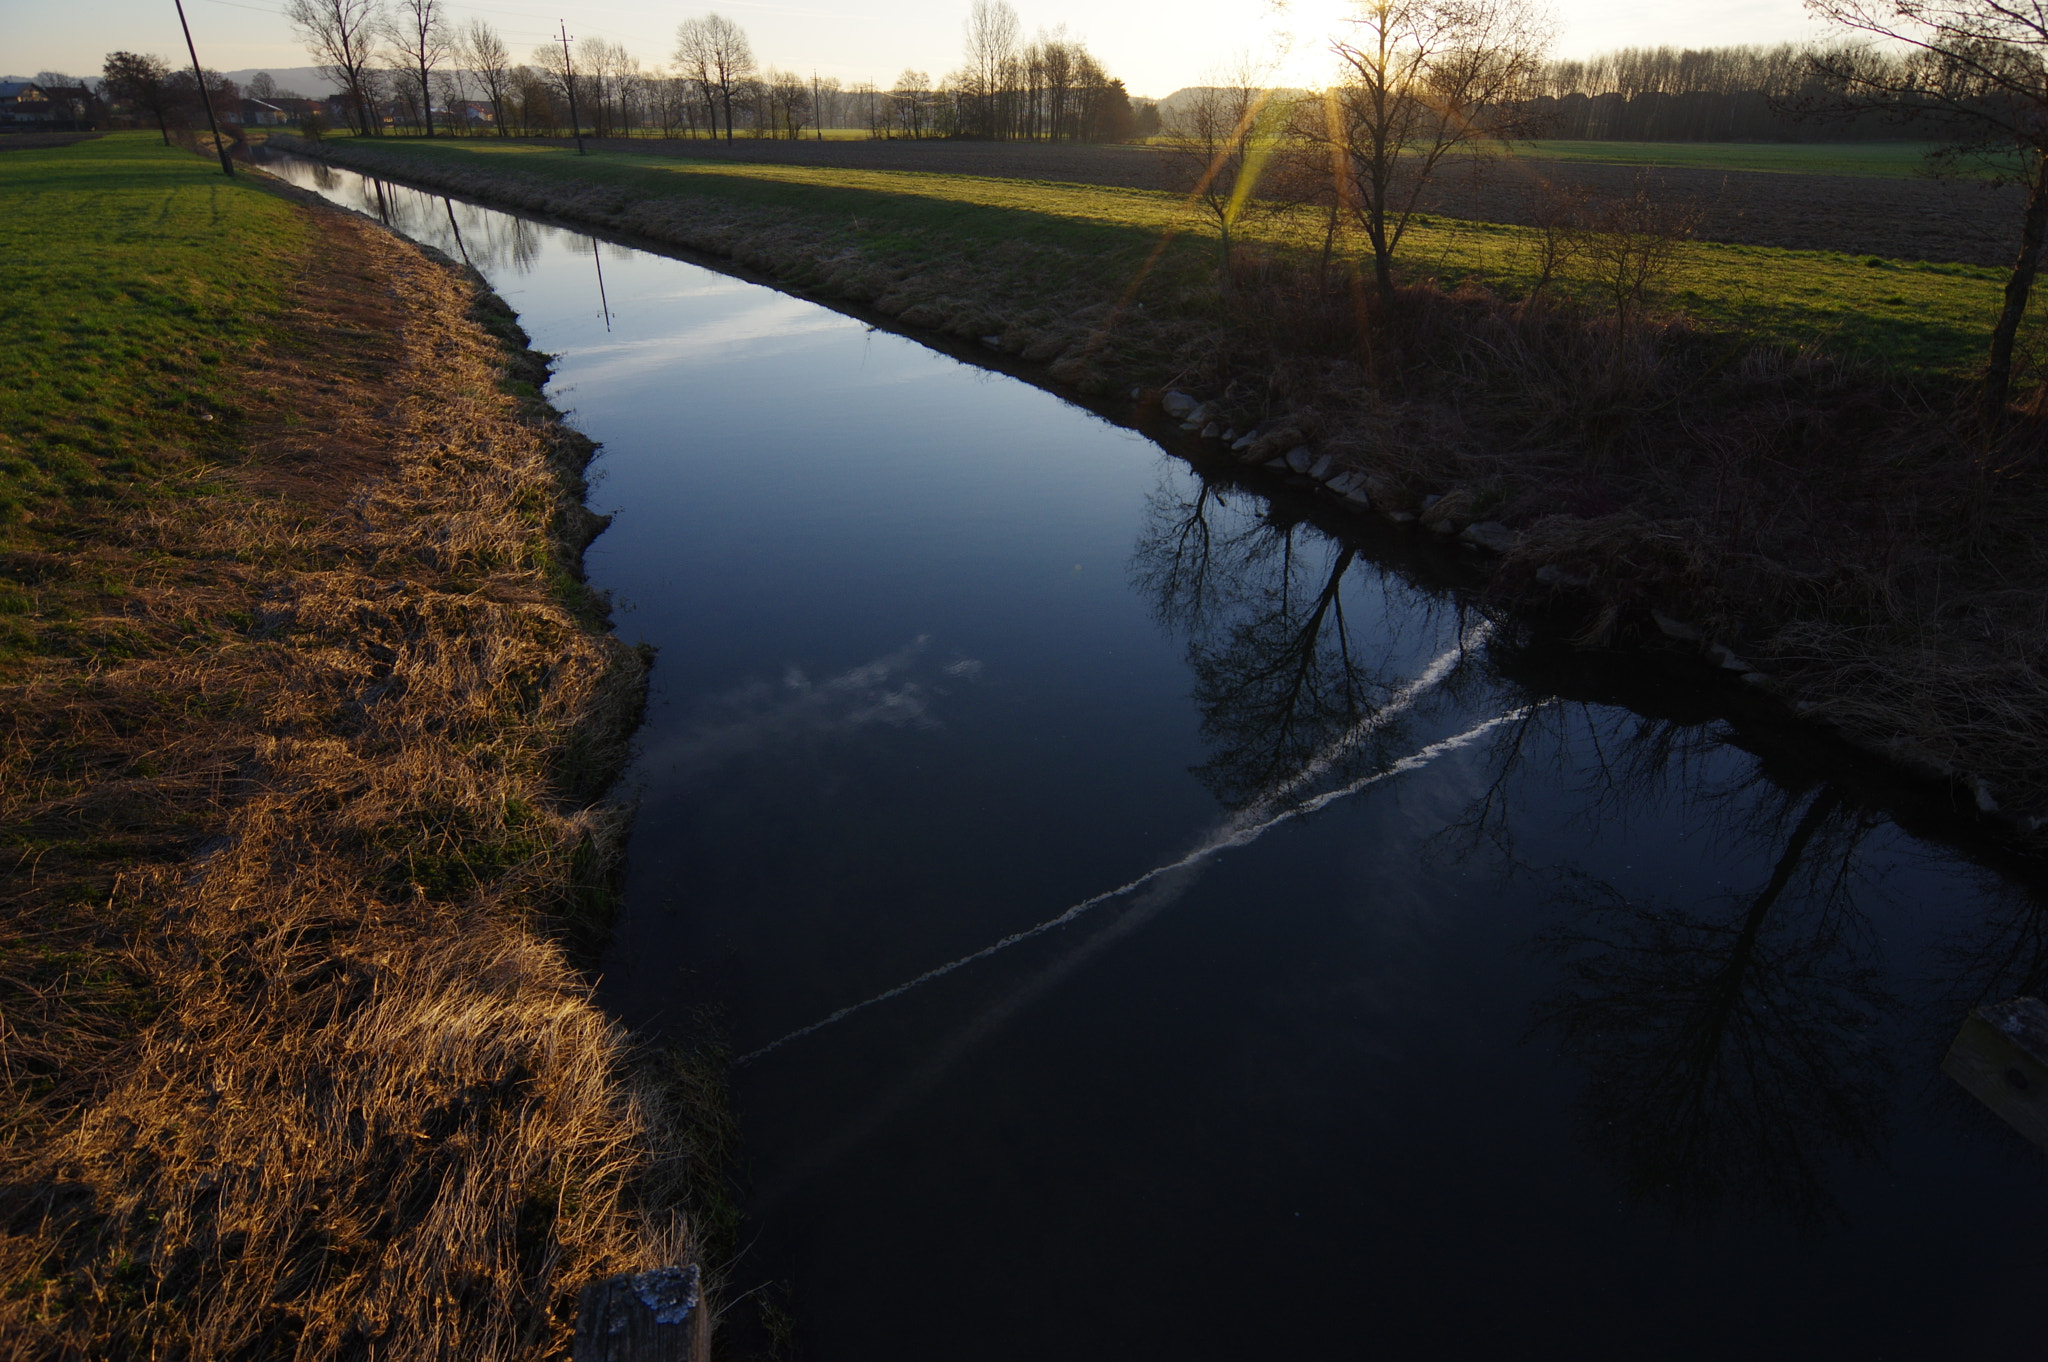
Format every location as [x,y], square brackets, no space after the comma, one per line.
[472,113]
[279,111]
[28,107]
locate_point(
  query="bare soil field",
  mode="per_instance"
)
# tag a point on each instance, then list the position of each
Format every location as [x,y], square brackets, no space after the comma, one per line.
[1966,221]
[1859,215]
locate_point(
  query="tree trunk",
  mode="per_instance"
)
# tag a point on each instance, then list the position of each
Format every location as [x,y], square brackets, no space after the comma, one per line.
[163,127]
[1382,260]
[426,100]
[1998,374]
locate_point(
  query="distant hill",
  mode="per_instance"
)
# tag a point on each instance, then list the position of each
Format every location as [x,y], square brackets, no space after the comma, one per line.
[304,80]
[1181,98]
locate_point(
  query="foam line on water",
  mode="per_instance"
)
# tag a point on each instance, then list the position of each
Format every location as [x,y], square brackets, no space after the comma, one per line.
[1144,907]
[1241,829]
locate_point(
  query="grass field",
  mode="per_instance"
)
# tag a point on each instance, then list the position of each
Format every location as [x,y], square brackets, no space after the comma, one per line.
[1929,318]
[132,277]
[119,340]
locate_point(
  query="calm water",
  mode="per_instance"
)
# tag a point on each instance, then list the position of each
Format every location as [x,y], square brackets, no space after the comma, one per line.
[1524,1005]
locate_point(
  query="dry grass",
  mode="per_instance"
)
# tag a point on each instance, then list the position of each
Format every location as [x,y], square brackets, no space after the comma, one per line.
[299,1059]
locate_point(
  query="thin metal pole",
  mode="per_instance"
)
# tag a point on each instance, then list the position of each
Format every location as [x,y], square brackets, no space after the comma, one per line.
[569,77]
[601,298]
[227,166]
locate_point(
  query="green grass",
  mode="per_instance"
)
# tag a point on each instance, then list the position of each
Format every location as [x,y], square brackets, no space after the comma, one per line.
[133,279]
[1895,160]
[1927,318]
[132,276]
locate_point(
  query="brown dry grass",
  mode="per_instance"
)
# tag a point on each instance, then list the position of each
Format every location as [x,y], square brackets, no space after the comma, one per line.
[298,1057]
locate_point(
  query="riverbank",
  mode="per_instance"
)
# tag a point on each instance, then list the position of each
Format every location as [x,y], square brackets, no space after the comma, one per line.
[1821,527]
[310,723]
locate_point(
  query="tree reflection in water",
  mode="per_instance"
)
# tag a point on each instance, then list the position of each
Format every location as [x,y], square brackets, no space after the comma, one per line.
[1278,674]
[1733,1042]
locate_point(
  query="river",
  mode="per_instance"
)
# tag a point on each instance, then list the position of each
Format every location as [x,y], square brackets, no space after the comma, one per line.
[1151,919]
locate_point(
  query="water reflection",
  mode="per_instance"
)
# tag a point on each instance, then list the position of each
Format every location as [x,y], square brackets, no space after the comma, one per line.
[1279,670]
[482,238]
[1732,1040]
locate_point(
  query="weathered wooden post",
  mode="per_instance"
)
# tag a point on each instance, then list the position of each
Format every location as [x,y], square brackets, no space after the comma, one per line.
[2001,1056]
[656,1316]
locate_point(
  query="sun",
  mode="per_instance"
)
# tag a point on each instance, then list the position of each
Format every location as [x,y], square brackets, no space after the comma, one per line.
[1302,32]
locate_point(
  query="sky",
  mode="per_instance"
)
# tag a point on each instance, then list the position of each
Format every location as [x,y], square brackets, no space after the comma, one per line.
[1154,46]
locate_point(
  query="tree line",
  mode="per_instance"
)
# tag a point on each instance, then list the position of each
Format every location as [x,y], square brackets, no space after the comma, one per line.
[409,61]
[1743,93]
[1425,84]
[154,93]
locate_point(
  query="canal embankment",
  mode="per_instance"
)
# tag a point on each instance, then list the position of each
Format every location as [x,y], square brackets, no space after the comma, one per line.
[311,728]
[1792,492]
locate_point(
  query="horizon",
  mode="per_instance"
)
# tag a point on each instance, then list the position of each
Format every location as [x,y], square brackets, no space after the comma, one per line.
[850,43]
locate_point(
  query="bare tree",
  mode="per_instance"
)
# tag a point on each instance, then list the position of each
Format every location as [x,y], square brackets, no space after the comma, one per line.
[694,67]
[1220,139]
[342,35]
[1978,70]
[1629,245]
[140,79]
[715,52]
[1424,80]
[557,68]
[992,30]
[911,101]
[479,48]
[787,103]
[868,101]
[419,35]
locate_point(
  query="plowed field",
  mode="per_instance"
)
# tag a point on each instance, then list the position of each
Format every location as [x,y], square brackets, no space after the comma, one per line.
[1905,219]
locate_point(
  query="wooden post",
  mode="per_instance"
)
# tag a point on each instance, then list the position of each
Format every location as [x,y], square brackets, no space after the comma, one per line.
[2001,1056]
[656,1316]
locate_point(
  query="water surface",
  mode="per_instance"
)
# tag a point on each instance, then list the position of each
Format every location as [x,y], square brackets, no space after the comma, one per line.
[1552,1008]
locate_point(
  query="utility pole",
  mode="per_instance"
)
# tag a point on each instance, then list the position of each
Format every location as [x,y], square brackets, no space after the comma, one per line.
[569,77]
[227,166]
[817,109]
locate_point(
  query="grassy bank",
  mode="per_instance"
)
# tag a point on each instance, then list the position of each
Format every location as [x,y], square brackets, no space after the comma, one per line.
[307,726]
[1777,450]
[1921,316]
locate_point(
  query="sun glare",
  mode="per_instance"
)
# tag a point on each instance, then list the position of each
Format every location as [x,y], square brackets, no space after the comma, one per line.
[1302,30]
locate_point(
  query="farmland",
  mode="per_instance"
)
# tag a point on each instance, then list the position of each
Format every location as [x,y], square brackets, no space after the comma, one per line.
[1857,200]
[1926,316]
[1885,160]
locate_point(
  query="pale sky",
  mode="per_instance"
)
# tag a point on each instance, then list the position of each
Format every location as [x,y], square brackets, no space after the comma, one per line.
[1154,46]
